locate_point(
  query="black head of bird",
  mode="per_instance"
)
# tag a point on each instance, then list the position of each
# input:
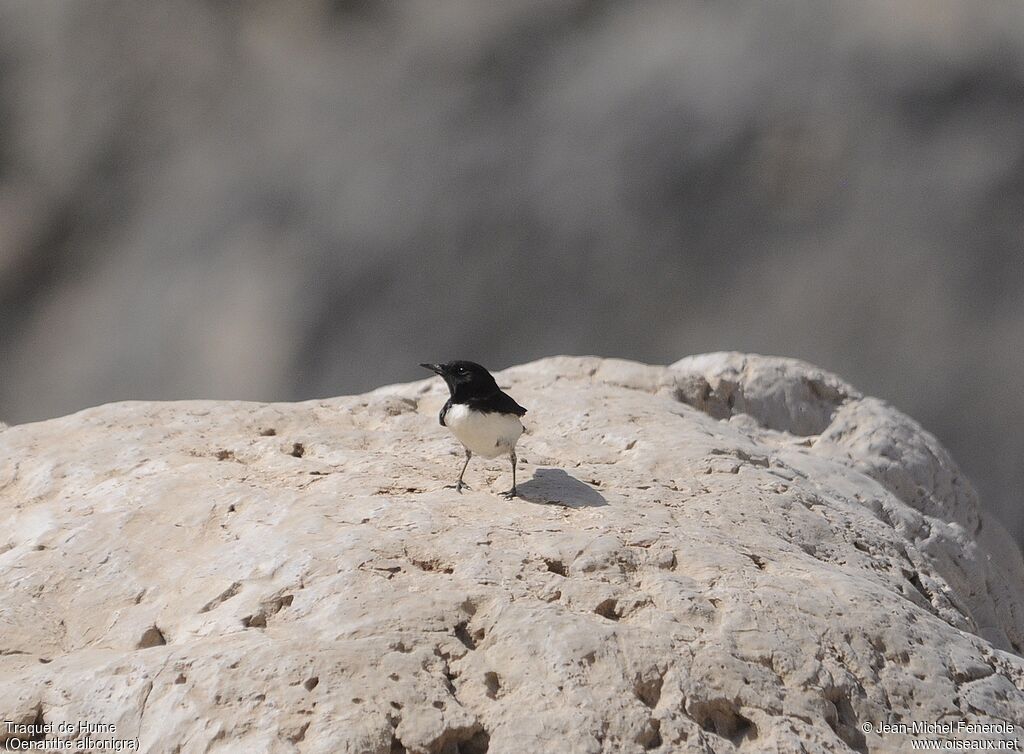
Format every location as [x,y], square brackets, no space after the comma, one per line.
[465,379]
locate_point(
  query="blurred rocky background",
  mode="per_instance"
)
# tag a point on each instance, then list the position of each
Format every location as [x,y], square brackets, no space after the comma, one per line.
[270,200]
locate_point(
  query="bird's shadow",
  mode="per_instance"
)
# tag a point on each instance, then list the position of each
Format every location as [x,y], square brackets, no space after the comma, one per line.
[555,487]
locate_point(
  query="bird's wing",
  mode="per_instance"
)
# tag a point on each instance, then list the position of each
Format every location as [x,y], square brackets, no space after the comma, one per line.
[501,403]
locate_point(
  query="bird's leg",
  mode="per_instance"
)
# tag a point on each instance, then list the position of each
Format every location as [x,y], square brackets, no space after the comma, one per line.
[459,485]
[512,492]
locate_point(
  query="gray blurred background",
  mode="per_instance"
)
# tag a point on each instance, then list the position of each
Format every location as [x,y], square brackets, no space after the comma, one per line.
[270,200]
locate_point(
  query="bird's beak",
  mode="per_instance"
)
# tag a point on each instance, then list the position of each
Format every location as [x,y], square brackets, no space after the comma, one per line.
[434,368]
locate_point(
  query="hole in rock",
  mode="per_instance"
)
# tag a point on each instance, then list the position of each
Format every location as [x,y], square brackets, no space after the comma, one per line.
[844,722]
[493,684]
[259,620]
[648,691]
[463,635]
[650,736]
[721,717]
[608,609]
[38,728]
[432,566]
[556,566]
[478,743]
[151,637]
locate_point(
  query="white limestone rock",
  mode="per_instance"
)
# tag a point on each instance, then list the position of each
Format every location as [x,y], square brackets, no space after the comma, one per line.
[734,552]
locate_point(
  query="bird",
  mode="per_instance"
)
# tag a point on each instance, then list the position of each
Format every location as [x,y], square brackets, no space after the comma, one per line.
[482,417]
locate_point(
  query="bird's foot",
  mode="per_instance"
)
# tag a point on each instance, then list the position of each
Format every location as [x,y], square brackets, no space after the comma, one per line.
[509,494]
[459,486]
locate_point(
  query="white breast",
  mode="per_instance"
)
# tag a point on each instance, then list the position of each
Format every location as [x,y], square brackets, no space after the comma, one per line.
[487,435]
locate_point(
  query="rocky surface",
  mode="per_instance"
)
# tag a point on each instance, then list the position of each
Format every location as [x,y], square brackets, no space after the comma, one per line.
[245,199]
[730,553]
